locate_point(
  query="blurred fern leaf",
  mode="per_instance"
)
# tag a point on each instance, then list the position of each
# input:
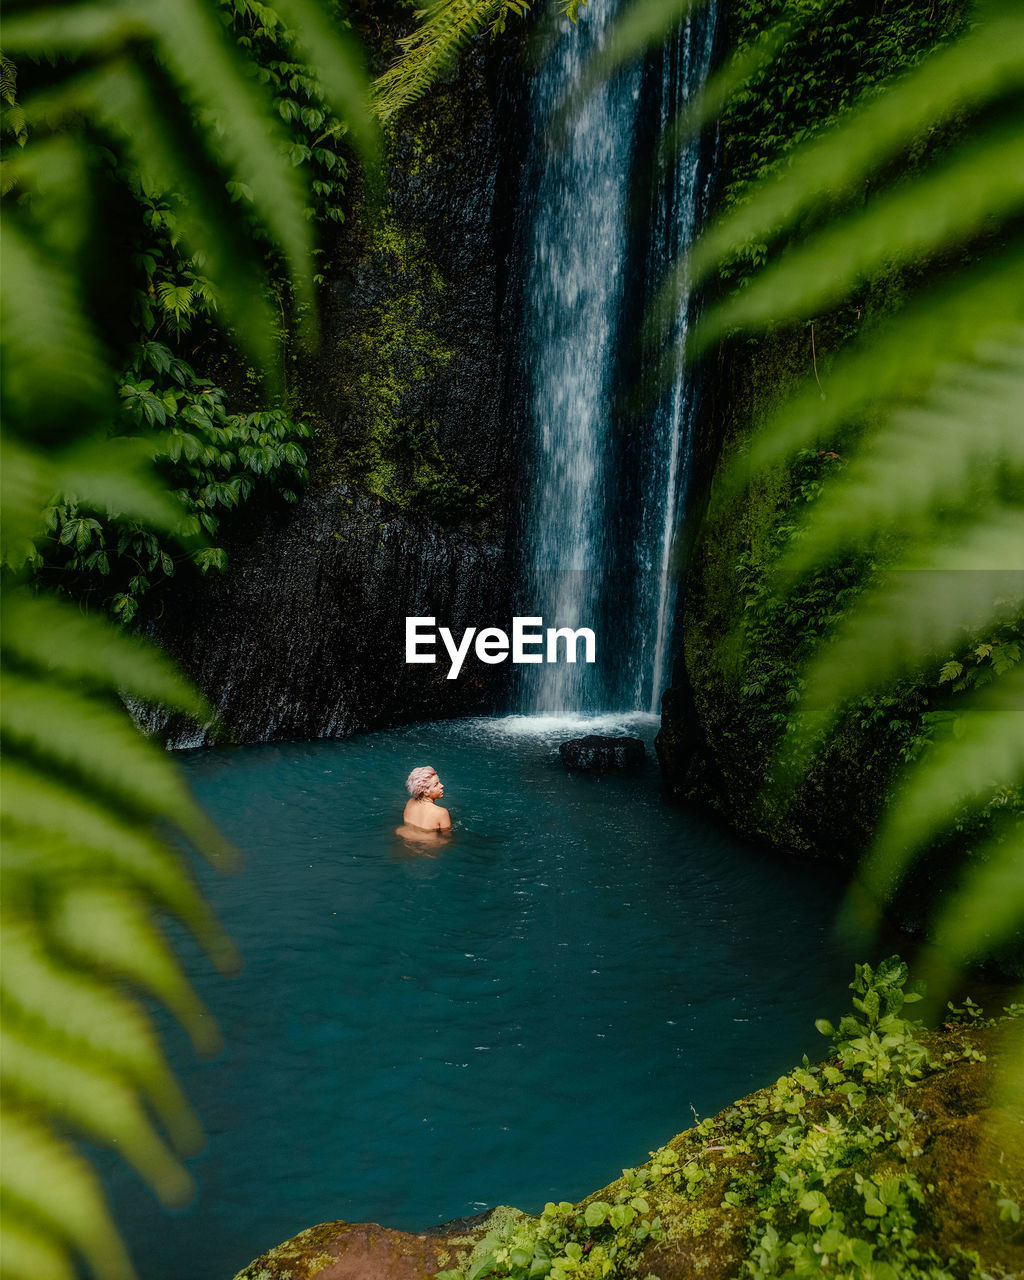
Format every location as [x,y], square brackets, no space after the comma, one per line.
[924,180]
[979,756]
[87,805]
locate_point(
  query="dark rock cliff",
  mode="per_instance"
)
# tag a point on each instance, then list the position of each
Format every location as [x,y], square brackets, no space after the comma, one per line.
[404,393]
[412,469]
[305,637]
[717,742]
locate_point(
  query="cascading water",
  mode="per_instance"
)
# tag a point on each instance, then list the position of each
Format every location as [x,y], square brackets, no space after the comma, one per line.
[603,218]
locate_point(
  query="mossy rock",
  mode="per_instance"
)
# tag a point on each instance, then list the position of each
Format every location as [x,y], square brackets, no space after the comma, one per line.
[964,1145]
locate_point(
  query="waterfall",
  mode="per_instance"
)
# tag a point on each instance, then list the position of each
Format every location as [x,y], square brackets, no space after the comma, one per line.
[602,217]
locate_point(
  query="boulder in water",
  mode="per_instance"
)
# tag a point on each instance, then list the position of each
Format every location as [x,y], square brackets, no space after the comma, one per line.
[597,754]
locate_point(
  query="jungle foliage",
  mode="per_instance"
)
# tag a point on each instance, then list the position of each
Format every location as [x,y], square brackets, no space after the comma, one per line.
[815,1173]
[433,48]
[151,125]
[213,458]
[899,564]
[921,518]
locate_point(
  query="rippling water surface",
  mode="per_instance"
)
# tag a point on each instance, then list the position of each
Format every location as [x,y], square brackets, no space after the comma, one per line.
[415,1038]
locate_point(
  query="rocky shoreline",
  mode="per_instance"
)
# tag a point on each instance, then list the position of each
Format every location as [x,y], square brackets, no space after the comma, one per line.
[960,1140]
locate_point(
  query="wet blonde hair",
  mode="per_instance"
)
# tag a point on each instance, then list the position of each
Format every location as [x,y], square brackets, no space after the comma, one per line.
[419,780]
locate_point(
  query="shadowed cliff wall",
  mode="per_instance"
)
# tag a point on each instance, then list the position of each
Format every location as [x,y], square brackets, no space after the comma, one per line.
[412,469]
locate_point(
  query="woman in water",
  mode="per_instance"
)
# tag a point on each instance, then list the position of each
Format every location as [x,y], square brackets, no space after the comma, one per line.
[422,817]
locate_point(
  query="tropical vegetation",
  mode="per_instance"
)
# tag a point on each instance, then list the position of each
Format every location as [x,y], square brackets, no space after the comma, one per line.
[914,523]
[820,1173]
[155,200]
[166,165]
[888,598]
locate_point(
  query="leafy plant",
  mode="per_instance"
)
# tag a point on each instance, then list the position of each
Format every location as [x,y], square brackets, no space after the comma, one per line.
[817,1168]
[875,1042]
[174,308]
[87,804]
[446,27]
[919,178]
[212,460]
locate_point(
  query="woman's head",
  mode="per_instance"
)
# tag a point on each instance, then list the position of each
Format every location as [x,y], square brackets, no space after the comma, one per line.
[421,781]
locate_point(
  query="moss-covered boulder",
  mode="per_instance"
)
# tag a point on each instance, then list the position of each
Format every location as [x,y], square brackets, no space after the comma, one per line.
[899,1158]
[366,1251]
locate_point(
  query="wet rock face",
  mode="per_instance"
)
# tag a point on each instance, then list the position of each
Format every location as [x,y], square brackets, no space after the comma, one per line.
[406,390]
[413,468]
[304,637]
[597,754]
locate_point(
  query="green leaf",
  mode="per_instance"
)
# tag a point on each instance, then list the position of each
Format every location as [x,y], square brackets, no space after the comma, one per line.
[923,459]
[115,932]
[981,67]
[979,185]
[54,636]
[74,831]
[34,1164]
[986,754]
[971,582]
[91,1021]
[988,908]
[48,1076]
[340,69]
[99,744]
[596,1212]
[43,313]
[29,1254]
[211,75]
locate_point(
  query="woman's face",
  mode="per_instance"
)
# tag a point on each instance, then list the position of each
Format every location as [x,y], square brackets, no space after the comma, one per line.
[435,788]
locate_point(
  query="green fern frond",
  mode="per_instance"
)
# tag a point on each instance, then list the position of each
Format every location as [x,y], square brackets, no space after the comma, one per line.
[923,460]
[984,66]
[940,593]
[40,851]
[925,409]
[95,743]
[165,156]
[77,1220]
[115,476]
[72,29]
[987,908]
[92,1020]
[86,881]
[977,188]
[86,650]
[899,361]
[43,314]
[29,1254]
[8,80]
[117,934]
[211,76]
[50,1076]
[446,28]
[981,756]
